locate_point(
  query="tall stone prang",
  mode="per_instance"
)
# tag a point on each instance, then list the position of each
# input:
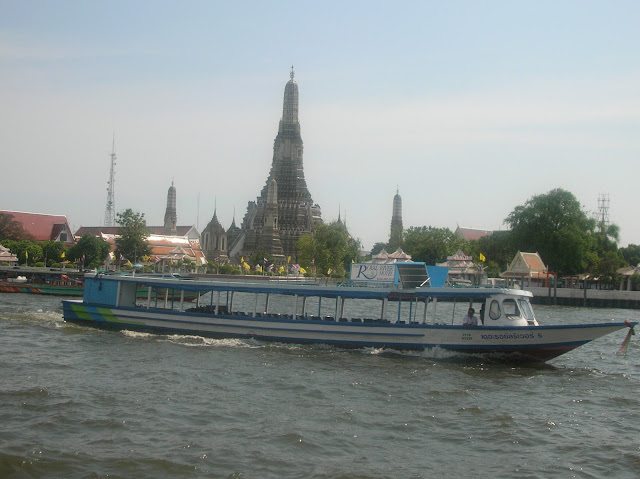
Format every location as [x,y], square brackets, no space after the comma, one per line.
[284,211]
[395,237]
[171,215]
[269,240]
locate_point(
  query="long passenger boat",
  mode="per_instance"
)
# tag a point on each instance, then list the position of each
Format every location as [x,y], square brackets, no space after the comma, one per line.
[402,316]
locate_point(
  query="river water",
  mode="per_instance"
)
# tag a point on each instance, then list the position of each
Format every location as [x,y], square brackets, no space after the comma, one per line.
[77,402]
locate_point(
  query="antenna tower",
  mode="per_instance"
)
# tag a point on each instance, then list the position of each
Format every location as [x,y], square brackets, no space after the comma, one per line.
[110,212]
[603,211]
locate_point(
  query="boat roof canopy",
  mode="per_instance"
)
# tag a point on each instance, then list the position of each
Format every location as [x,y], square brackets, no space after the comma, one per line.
[291,288]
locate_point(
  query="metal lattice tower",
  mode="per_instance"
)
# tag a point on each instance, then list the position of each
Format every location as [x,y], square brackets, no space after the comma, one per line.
[110,212]
[603,211]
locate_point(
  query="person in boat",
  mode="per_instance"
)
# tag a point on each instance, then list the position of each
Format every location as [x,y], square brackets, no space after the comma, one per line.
[470,319]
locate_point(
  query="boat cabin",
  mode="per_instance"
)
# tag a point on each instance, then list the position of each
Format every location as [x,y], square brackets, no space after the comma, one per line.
[312,301]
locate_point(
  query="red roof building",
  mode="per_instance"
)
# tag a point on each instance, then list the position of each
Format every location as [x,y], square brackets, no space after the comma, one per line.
[171,248]
[43,227]
[186,231]
[472,234]
[164,248]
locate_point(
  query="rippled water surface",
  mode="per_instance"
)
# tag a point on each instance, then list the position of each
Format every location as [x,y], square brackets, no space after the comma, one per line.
[79,402]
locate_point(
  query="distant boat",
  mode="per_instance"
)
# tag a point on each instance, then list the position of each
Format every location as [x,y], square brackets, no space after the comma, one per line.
[41,289]
[41,281]
[60,283]
[280,312]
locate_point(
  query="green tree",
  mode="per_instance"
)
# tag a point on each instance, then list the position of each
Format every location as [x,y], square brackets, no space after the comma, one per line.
[498,250]
[258,257]
[131,242]
[353,254]
[52,251]
[631,254]
[28,252]
[11,229]
[606,238]
[493,269]
[95,250]
[606,258]
[554,225]
[606,267]
[228,269]
[330,247]
[308,250]
[377,248]
[432,245]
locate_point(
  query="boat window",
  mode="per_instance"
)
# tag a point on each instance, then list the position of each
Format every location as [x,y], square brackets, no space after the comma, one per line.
[526,309]
[494,309]
[510,308]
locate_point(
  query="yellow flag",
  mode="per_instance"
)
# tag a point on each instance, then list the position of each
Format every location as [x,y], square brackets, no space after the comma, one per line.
[482,258]
[26,254]
[245,266]
[288,259]
[62,255]
[281,269]
[302,270]
[329,271]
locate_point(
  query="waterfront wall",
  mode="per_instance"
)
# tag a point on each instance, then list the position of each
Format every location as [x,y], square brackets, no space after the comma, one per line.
[593,298]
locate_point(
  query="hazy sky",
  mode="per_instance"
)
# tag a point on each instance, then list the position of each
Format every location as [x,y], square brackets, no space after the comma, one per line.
[468,107]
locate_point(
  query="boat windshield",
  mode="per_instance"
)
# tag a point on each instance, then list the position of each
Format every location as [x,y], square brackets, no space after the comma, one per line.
[525,307]
[510,308]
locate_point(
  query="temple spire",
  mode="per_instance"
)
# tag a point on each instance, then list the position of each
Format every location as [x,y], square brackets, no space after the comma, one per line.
[284,210]
[289,122]
[170,215]
[395,237]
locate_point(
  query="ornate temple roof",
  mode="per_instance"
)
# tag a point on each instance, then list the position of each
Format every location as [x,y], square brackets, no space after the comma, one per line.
[525,264]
